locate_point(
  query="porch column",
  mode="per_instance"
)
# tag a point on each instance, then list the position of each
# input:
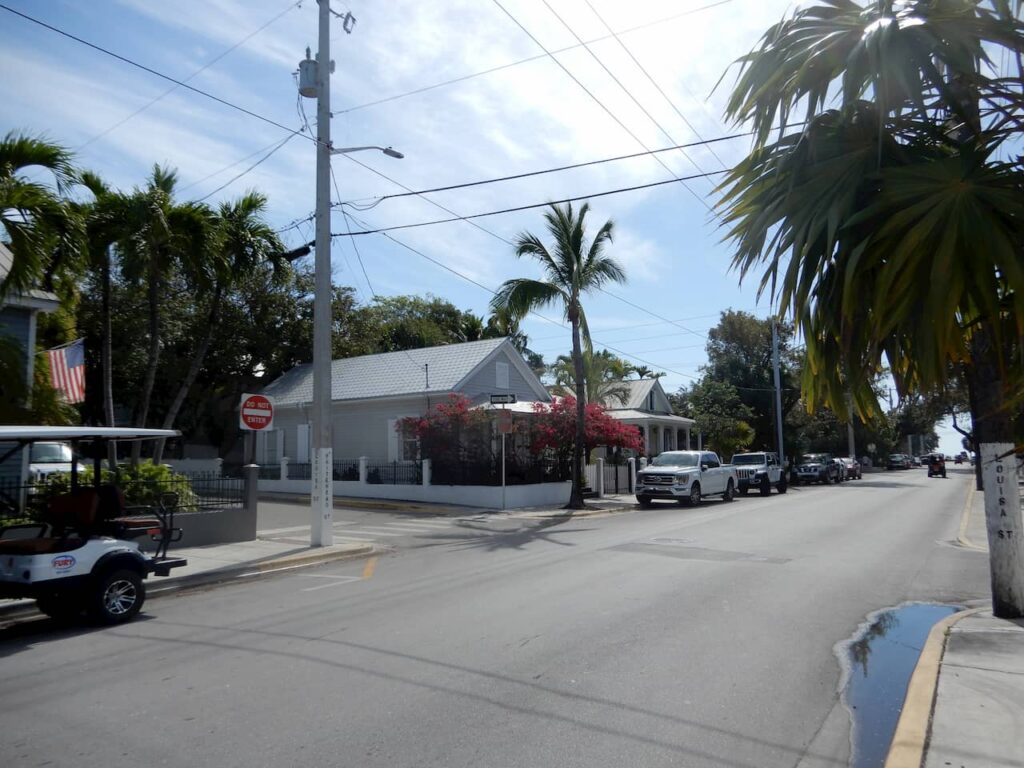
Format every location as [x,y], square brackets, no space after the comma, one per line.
[647,439]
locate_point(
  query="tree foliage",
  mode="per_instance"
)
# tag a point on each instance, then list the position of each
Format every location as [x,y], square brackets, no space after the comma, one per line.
[889,226]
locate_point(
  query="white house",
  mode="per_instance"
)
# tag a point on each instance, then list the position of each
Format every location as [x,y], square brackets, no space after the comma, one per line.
[647,407]
[18,315]
[371,393]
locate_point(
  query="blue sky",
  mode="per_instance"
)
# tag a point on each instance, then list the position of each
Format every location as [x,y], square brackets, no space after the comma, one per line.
[522,118]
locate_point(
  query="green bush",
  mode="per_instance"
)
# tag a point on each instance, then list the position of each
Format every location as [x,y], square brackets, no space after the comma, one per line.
[141,485]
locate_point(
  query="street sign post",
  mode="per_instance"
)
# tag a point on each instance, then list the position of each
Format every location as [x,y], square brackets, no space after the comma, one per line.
[256,413]
[508,399]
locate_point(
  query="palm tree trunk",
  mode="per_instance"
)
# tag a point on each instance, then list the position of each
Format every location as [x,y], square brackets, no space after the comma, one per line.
[152,362]
[576,495]
[107,352]
[193,370]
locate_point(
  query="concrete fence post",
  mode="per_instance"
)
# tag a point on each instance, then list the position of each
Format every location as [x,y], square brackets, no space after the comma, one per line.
[600,479]
[284,467]
[363,469]
[631,471]
[250,491]
[219,464]
[426,471]
[643,462]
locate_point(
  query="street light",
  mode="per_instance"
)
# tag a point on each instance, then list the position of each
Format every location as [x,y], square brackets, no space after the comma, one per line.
[386,150]
[315,82]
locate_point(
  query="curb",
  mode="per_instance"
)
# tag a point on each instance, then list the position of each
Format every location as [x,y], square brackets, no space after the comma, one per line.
[965,518]
[910,739]
[574,513]
[166,586]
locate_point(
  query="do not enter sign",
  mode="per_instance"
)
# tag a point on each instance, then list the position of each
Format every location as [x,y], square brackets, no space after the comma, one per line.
[256,412]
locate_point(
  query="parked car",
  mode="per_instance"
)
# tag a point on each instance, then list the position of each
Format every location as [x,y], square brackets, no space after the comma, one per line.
[818,468]
[936,465]
[959,459]
[761,471]
[686,477]
[50,458]
[853,470]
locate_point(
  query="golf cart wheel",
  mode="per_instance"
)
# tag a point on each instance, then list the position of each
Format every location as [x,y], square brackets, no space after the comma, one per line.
[730,492]
[765,486]
[60,607]
[118,596]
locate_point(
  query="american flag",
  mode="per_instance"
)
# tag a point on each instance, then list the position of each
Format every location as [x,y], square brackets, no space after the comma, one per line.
[67,370]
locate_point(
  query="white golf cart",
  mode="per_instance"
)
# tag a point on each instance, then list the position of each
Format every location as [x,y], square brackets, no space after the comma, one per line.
[78,553]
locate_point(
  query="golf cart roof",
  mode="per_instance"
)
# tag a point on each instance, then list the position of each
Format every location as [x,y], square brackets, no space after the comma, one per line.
[27,434]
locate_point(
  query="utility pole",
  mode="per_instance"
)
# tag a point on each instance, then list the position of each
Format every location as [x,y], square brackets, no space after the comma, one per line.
[322,496]
[778,391]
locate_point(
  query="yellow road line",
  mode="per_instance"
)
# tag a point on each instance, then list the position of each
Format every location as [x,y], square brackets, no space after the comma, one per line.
[369,568]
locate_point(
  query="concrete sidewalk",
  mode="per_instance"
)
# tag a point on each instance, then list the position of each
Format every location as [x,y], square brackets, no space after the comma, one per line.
[965,702]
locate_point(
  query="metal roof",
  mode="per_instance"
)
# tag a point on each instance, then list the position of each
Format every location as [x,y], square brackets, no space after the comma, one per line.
[390,374]
[631,414]
[23,434]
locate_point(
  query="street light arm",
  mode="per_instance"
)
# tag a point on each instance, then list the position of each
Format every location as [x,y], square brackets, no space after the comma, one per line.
[386,150]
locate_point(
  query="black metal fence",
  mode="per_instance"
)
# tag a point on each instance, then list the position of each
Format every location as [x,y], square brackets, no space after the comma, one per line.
[344,469]
[394,473]
[28,502]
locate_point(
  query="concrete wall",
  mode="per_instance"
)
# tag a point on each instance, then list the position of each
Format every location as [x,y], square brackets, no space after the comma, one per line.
[486,496]
[223,526]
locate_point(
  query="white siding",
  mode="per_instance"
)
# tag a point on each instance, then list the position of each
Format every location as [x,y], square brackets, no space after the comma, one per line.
[485,383]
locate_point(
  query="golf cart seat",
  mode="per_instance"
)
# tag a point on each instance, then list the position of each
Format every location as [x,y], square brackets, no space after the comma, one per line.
[122,521]
[68,521]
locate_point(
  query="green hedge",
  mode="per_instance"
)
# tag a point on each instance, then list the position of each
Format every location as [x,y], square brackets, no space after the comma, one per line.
[142,485]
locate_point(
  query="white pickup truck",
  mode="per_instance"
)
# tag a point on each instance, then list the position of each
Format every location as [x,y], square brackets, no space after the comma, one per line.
[685,477]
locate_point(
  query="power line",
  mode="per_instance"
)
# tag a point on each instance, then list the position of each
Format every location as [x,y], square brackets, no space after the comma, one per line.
[209,176]
[601,104]
[649,312]
[152,71]
[641,325]
[491,291]
[653,82]
[518,208]
[618,82]
[206,66]
[557,169]
[266,157]
[528,59]
[422,196]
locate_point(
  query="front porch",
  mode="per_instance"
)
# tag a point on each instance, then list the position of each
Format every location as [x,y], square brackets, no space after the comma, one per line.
[661,432]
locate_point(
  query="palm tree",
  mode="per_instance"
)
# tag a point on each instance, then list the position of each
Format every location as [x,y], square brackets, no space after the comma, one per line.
[572,267]
[890,225]
[160,234]
[37,219]
[242,241]
[604,375]
[103,226]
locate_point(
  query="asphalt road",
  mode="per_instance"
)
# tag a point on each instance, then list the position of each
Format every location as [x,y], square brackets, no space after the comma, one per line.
[694,637]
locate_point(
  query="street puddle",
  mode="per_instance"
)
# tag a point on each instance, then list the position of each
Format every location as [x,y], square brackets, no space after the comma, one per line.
[878,662]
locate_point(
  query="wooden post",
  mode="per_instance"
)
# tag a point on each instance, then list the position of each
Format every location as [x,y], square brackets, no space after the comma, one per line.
[1005,529]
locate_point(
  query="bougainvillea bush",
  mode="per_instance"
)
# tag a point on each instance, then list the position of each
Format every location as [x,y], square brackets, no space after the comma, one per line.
[460,441]
[553,429]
